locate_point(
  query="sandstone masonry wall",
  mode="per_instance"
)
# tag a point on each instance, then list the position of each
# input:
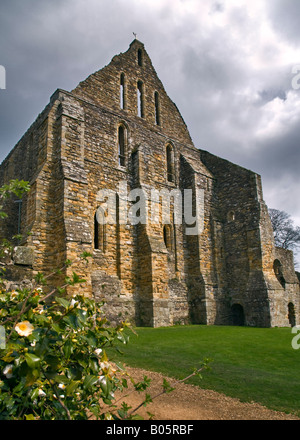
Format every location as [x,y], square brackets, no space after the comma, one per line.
[118,131]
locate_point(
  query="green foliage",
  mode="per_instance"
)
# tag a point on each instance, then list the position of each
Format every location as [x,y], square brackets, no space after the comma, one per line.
[16,187]
[54,365]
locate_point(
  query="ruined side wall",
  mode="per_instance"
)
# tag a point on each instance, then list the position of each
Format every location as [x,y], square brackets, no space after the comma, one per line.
[23,162]
[285,293]
[35,159]
[247,238]
[38,159]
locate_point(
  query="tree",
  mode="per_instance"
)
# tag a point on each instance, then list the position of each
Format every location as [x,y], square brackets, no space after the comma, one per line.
[286,234]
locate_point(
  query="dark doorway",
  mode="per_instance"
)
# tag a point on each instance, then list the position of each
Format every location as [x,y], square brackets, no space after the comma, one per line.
[238,316]
[292,315]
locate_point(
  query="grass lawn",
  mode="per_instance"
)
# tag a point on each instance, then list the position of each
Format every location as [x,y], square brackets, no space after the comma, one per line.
[252,364]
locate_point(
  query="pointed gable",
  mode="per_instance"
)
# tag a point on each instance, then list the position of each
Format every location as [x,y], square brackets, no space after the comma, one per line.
[129,84]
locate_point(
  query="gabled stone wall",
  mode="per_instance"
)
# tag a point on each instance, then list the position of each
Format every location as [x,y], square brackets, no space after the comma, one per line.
[151,274]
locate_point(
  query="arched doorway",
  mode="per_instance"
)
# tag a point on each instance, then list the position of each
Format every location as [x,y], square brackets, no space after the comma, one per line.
[238,316]
[292,314]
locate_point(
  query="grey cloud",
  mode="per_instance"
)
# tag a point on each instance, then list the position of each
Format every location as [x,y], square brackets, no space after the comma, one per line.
[284,16]
[270,94]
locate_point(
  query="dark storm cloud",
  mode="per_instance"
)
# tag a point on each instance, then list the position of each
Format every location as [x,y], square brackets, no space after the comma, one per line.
[48,45]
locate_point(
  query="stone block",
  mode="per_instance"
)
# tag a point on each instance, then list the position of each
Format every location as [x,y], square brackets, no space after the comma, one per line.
[23,255]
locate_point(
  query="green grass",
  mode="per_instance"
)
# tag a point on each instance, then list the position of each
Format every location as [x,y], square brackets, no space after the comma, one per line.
[251,364]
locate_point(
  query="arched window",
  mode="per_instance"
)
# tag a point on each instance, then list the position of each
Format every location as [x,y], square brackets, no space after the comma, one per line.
[167,233]
[231,216]
[122,145]
[140,99]
[99,230]
[170,163]
[140,57]
[122,91]
[157,112]
[277,267]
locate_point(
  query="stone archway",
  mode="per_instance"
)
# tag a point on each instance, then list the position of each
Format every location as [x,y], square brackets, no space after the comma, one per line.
[237,315]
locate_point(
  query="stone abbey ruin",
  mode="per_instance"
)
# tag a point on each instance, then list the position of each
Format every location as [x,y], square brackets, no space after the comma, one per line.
[119,125]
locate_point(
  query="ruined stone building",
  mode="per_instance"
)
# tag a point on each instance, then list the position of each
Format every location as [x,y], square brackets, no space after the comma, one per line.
[119,125]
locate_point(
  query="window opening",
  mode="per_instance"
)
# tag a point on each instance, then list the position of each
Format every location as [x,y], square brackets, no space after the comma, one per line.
[121,145]
[122,91]
[157,114]
[231,216]
[170,164]
[167,233]
[277,267]
[99,230]
[140,57]
[140,98]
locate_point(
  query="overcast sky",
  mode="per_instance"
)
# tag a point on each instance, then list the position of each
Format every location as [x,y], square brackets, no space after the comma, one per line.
[228,65]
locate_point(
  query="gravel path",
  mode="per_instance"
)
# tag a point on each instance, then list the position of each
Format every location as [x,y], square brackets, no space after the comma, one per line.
[188,402]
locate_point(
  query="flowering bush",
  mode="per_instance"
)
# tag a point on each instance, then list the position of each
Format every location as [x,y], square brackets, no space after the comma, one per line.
[54,364]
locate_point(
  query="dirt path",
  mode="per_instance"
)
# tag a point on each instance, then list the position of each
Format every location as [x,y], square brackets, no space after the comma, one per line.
[188,402]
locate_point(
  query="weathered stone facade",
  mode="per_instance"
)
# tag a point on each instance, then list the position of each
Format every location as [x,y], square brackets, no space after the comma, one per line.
[119,125]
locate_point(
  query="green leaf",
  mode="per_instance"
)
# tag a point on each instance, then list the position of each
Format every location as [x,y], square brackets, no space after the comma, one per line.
[34,394]
[32,360]
[42,346]
[89,381]
[56,327]
[72,321]
[29,417]
[166,386]
[61,378]
[52,361]
[32,377]
[106,386]
[147,400]
[68,349]
[72,387]
[82,315]
[63,302]
[76,279]
[40,278]
[136,417]
[90,339]
[74,372]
